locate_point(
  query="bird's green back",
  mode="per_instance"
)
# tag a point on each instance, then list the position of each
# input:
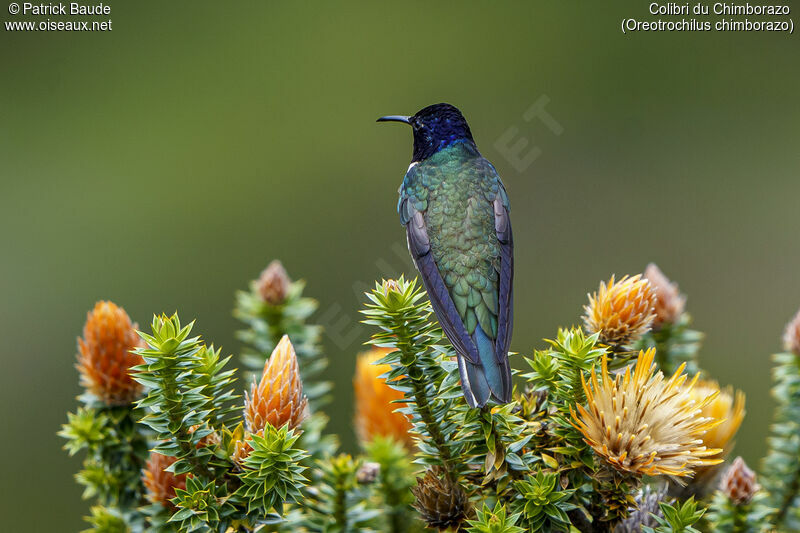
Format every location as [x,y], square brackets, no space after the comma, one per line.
[455,190]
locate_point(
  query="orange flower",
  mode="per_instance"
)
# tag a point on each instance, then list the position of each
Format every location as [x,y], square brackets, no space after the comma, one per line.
[104,357]
[273,284]
[621,311]
[278,398]
[375,407]
[159,483]
[642,423]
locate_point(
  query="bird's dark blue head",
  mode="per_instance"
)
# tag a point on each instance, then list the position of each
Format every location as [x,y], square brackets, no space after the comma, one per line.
[435,127]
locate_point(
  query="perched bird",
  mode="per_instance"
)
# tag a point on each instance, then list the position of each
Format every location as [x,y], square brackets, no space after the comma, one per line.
[455,210]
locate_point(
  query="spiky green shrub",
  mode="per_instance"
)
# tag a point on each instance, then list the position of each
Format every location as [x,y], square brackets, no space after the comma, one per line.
[567,454]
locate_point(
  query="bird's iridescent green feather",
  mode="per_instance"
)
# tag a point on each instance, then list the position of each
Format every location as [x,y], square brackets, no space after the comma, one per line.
[455,189]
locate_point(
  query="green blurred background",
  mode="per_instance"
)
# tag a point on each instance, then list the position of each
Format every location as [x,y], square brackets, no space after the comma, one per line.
[163,164]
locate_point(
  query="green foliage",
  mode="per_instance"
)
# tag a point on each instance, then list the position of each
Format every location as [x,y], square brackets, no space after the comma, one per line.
[731,517]
[543,505]
[559,369]
[422,368]
[675,344]
[272,473]
[203,505]
[678,518]
[267,323]
[781,468]
[115,453]
[216,385]
[339,503]
[84,429]
[494,520]
[179,372]
[105,520]
[395,479]
[493,443]
[517,467]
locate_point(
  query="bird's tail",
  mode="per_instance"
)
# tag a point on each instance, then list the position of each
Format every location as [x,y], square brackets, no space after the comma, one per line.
[491,377]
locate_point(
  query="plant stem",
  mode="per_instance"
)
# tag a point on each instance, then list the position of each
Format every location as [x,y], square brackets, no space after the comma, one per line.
[417,376]
[183,437]
[789,496]
[340,506]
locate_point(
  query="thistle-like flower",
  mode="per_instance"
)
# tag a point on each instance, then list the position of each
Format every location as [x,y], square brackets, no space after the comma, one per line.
[160,483]
[442,504]
[670,303]
[273,283]
[641,423]
[105,357]
[278,398]
[375,402]
[621,311]
[739,482]
[791,338]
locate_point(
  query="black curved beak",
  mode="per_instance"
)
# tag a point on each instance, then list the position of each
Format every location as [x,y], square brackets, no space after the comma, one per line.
[395,118]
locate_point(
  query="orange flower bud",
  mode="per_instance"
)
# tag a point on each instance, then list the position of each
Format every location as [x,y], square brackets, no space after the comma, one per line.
[739,482]
[278,398]
[159,483]
[375,410]
[273,284]
[104,357]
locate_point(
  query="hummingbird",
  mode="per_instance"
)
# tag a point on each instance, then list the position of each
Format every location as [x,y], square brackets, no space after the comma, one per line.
[455,211]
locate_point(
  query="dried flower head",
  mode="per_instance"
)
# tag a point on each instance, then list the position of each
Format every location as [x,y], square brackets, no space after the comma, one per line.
[642,423]
[441,503]
[105,357]
[278,398]
[791,338]
[621,311]
[159,483]
[739,482]
[375,408]
[670,303]
[273,284]
[726,406]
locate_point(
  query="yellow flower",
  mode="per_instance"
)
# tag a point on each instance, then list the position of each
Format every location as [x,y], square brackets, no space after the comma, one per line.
[273,284]
[670,303]
[726,406]
[159,483]
[104,357]
[621,311]
[278,398]
[375,408]
[642,423]
[791,339]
